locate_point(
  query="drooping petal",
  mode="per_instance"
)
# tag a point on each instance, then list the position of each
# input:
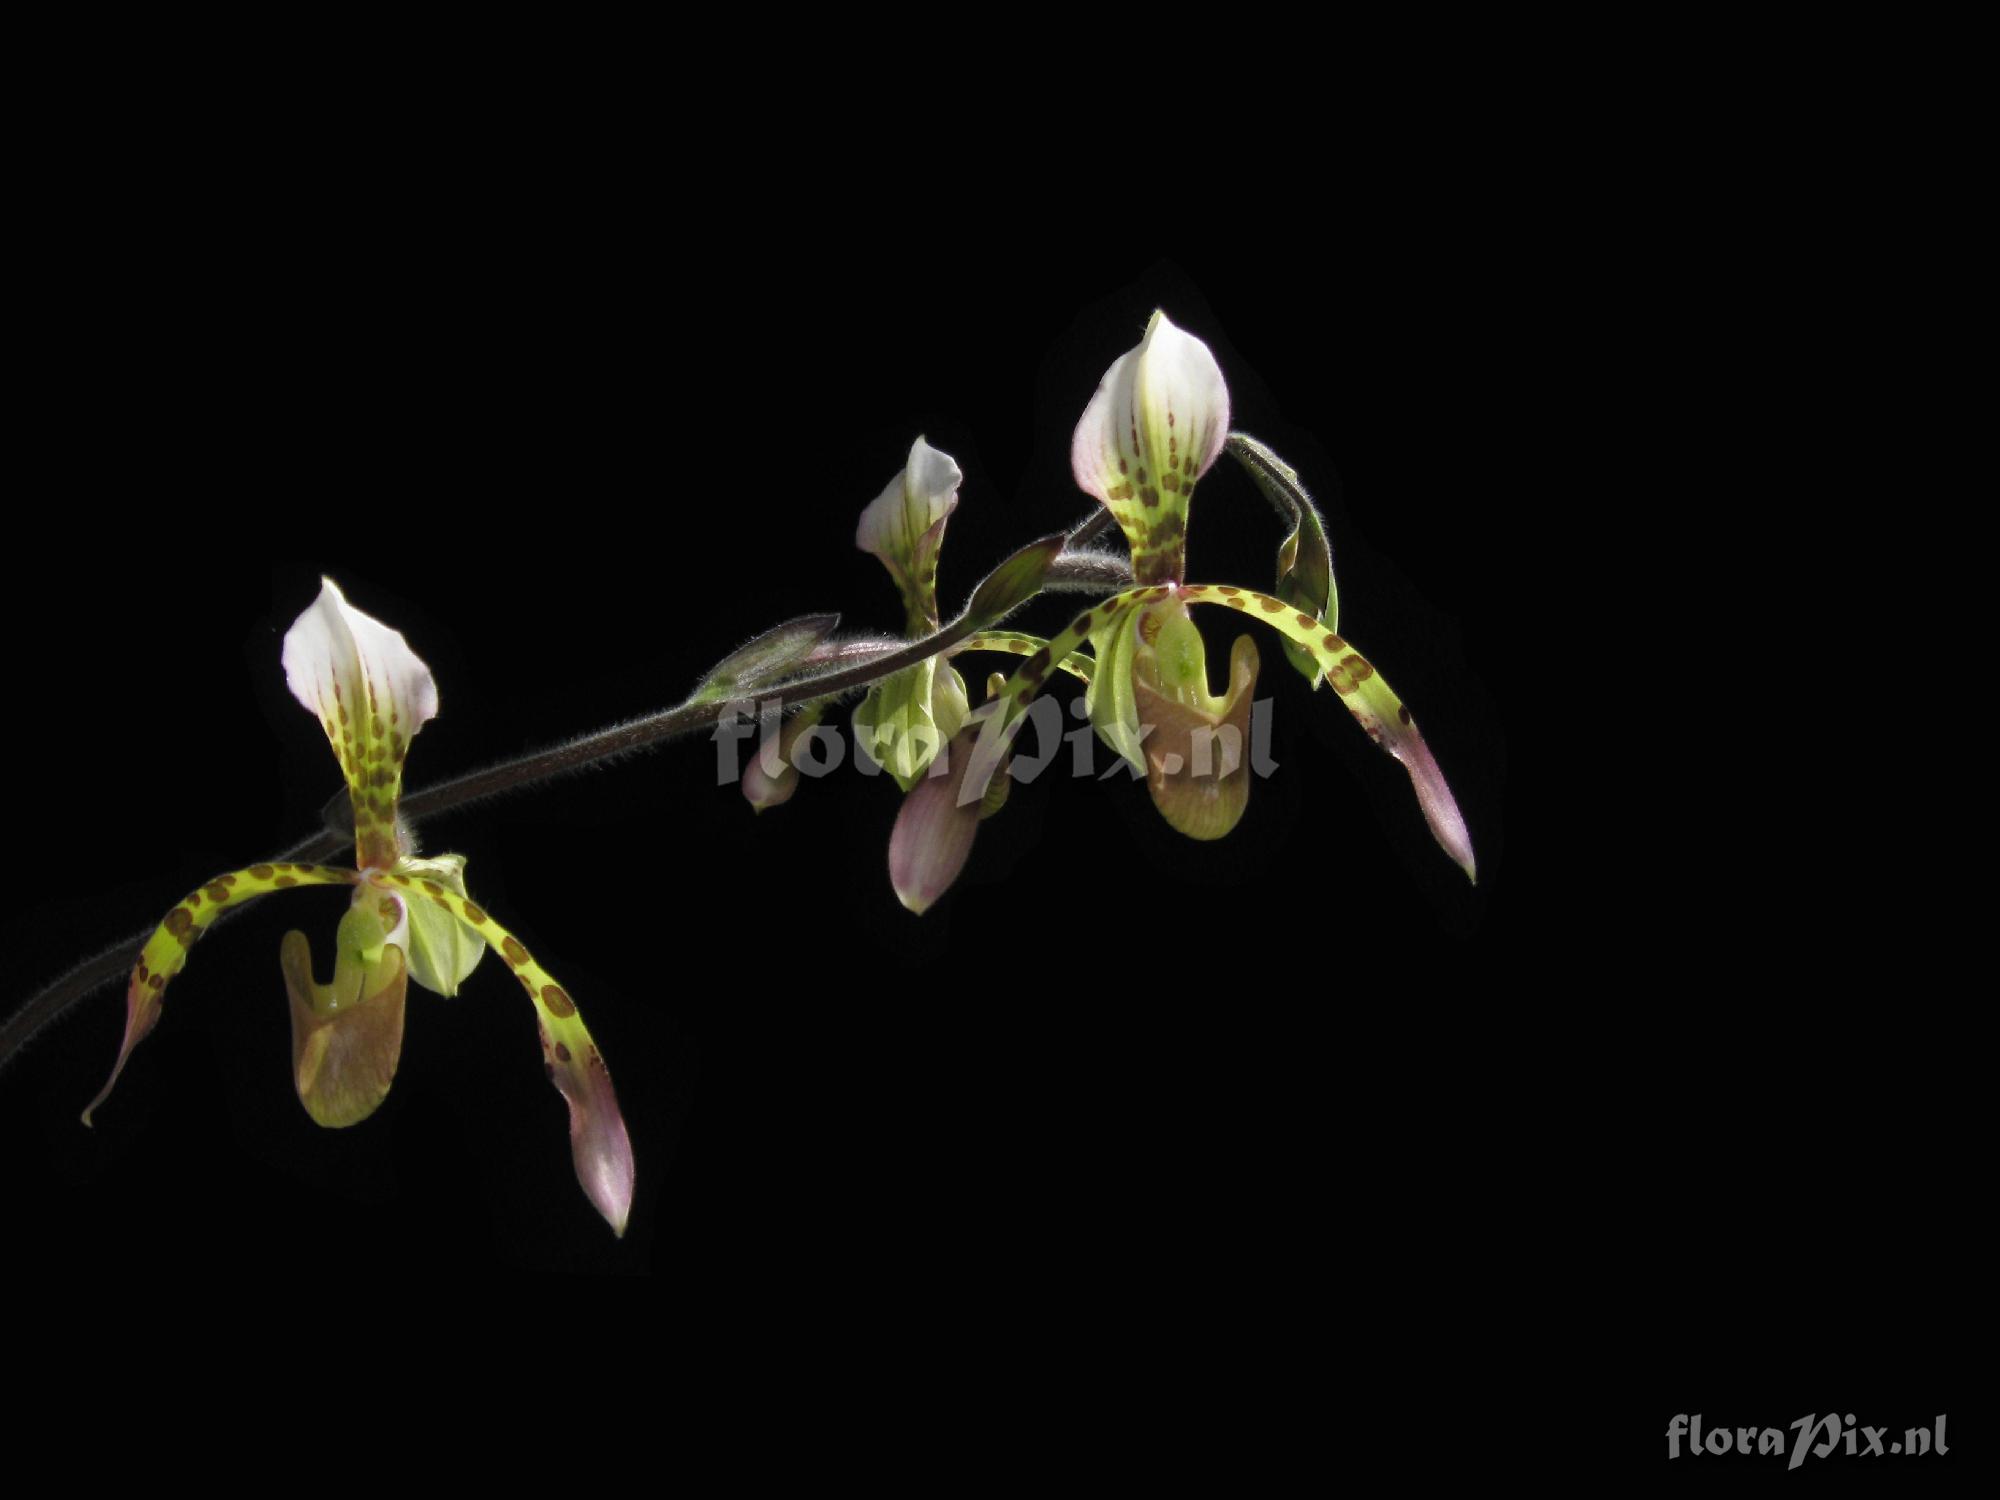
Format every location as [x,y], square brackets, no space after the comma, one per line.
[1369,699]
[443,951]
[347,1036]
[935,829]
[371,693]
[167,949]
[599,1144]
[1198,747]
[904,527]
[1020,643]
[1158,420]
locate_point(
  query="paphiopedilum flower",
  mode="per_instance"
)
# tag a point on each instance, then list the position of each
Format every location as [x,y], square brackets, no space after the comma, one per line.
[1157,423]
[906,718]
[407,917]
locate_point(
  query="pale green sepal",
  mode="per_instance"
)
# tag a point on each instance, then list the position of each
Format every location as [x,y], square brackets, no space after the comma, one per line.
[1114,712]
[443,949]
[908,717]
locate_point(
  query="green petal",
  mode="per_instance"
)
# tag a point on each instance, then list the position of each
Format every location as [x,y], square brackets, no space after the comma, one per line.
[443,950]
[1020,643]
[599,1144]
[167,949]
[1369,698]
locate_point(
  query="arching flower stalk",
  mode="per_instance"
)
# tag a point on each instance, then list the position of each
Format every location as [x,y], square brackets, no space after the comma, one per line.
[1157,423]
[407,917]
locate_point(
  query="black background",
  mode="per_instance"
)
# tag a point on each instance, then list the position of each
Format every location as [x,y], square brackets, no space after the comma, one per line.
[1613,1124]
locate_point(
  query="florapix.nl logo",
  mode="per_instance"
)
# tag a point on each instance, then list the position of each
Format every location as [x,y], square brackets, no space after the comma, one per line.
[1812,1434]
[1213,751]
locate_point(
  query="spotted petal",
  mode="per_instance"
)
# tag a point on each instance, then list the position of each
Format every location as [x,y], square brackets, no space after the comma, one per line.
[1020,643]
[1361,689]
[599,1145]
[1158,420]
[904,527]
[167,949]
[371,693]
[1368,697]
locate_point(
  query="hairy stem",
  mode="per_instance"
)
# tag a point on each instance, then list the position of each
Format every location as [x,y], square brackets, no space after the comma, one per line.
[847,666]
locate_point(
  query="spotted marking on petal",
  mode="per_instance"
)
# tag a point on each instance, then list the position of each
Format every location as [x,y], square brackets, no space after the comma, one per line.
[1075,663]
[167,949]
[599,1145]
[1382,715]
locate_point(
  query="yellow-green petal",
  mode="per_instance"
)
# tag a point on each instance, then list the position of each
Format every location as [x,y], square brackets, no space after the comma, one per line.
[167,949]
[1020,643]
[1368,697]
[599,1144]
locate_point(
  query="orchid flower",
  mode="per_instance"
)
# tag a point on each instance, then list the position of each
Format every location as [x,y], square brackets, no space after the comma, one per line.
[1157,423]
[407,917]
[908,720]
